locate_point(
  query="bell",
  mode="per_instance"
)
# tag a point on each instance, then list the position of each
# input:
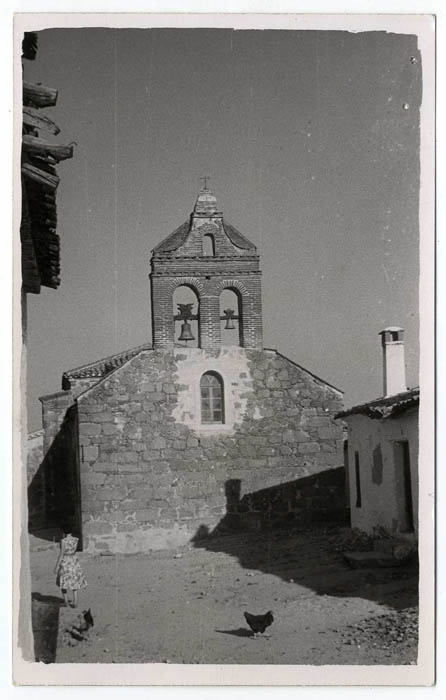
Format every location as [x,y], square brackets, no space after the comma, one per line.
[229,324]
[186,332]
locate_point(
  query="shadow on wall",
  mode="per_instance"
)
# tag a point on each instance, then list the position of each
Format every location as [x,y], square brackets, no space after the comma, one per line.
[54,491]
[302,544]
[319,498]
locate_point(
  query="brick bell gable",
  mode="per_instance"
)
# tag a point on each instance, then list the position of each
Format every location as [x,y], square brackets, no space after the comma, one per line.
[180,259]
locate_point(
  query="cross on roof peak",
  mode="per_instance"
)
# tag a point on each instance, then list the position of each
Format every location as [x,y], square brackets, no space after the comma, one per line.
[205,178]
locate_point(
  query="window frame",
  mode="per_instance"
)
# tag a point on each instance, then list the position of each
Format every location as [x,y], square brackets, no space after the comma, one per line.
[212,392]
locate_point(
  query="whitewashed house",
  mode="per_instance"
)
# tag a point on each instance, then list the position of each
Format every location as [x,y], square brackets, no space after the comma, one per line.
[382,456]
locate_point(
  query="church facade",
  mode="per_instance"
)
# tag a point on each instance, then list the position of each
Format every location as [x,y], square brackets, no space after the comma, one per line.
[158,443]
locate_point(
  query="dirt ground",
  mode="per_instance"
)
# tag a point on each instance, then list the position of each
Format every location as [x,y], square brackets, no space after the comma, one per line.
[186,606]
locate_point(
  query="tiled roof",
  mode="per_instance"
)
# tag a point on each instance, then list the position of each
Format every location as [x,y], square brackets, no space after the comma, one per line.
[237,238]
[386,406]
[174,240]
[101,368]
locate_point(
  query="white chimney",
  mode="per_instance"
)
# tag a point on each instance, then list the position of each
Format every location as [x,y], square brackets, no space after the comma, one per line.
[394,369]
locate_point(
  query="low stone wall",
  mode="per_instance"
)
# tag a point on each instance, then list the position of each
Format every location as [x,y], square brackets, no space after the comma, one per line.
[152,475]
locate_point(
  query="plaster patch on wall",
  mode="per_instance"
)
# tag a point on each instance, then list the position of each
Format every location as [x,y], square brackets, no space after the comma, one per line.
[257,414]
[119,421]
[231,363]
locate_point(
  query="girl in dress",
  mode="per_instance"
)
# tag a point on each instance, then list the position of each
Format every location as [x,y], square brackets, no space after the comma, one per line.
[70,577]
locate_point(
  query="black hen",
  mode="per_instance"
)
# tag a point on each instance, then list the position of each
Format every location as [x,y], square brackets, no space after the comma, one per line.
[86,622]
[259,623]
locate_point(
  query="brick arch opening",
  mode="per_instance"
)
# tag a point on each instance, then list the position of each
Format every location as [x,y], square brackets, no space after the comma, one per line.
[231,324]
[233,284]
[186,315]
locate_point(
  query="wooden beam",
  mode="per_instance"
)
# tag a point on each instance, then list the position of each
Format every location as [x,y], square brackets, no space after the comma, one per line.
[45,179]
[58,152]
[32,118]
[39,95]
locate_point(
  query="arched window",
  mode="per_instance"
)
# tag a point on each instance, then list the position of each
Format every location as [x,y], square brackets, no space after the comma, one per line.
[212,403]
[209,244]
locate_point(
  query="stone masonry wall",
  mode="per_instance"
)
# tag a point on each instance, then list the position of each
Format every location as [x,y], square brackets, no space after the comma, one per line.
[152,476]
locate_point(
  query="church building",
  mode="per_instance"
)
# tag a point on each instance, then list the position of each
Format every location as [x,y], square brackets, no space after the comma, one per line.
[142,449]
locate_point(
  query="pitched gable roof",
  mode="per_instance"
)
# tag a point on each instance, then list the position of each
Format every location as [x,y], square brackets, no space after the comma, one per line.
[386,406]
[100,368]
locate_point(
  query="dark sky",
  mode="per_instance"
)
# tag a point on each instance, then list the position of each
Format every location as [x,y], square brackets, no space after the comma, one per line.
[311,139]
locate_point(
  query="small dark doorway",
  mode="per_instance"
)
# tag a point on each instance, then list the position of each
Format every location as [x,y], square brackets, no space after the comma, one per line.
[403,486]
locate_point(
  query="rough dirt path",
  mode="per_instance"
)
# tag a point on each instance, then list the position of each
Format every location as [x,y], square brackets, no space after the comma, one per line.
[186,606]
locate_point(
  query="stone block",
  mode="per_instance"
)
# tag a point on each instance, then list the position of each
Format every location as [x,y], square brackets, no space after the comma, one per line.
[179,445]
[115,516]
[158,443]
[150,455]
[185,512]
[131,505]
[308,411]
[102,417]
[168,514]
[90,453]
[108,494]
[126,527]
[293,412]
[147,515]
[132,468]
[268,451]
[169,388]
[97,527]
[93,479]
[125,456]
[159,467]
[105,467]
[147,387]
[274,461]
[330,433]
[309,447]
[89,429]
[320,421]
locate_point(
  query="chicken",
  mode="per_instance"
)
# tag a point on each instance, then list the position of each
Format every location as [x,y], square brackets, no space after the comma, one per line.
[259,623]
[85,622]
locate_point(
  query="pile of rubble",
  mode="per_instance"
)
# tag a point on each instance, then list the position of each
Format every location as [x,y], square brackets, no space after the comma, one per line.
[394,629]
